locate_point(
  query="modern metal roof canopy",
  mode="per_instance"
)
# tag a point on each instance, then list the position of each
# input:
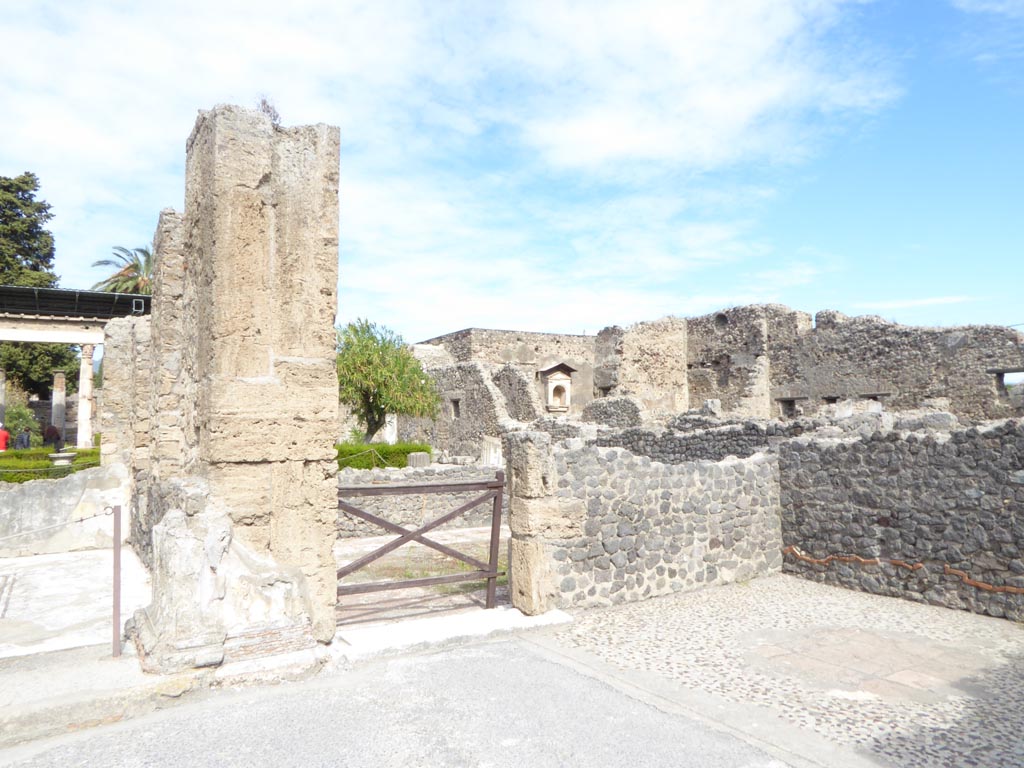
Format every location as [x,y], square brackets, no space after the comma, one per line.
[59,302]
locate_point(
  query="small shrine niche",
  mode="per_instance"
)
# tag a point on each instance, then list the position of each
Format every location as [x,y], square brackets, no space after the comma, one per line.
[557,382]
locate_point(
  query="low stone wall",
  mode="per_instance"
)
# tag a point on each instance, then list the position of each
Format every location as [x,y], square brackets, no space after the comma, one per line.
[619,412]
[47,516]
[712,444]
[597,526]
[413,510]
[933,517]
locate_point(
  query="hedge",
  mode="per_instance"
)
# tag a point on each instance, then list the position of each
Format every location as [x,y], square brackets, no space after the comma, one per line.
[34,464]
[375,455]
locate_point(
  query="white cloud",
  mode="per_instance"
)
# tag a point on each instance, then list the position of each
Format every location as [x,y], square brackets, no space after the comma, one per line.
[1011,8]
[536,164]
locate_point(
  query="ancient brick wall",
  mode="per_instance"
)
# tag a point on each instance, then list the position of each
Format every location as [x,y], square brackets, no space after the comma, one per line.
[930,516]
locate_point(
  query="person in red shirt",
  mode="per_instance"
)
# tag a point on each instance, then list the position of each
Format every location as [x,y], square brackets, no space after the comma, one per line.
[5,436]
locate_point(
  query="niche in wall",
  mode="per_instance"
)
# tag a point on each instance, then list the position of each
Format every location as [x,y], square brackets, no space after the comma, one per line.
[557,381]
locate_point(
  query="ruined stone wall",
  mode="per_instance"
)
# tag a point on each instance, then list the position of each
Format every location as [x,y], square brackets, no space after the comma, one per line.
[412,511]
[914,515]
[244,515]
[646,361]
[728,360]
[852,357]
[531,352]
[472,407]
[521,398]
[597,526]
[712,444]
[618,412]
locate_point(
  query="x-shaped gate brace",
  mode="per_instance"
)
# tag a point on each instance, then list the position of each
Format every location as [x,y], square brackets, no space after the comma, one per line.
[492,492]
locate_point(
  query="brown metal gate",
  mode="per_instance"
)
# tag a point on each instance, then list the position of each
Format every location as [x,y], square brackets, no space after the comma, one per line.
[491,491]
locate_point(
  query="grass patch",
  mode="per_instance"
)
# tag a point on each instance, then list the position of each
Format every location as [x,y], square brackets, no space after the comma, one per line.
[377,455]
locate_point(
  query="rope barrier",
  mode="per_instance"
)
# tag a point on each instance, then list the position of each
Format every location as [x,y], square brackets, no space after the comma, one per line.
[79,465]
[106,512]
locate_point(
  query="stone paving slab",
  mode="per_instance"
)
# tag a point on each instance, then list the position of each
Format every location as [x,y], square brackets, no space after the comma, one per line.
[899,683]
[61,601]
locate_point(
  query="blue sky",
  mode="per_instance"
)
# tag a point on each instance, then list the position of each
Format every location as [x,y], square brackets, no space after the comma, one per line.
[564,166]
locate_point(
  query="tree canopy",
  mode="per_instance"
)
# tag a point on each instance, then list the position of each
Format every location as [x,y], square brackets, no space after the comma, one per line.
[26,258]
[133,271]
[378,375]
[26,247]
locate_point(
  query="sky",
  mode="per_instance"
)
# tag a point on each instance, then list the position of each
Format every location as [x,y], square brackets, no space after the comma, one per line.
[565,166]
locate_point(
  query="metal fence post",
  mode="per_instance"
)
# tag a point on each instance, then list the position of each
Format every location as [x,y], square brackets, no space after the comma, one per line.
[117,581]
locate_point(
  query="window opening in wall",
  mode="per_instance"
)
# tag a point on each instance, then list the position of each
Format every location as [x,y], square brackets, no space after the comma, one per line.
[604,391]
[831,400]
[789,407]
[1009,382]
[456,411]
[721,320]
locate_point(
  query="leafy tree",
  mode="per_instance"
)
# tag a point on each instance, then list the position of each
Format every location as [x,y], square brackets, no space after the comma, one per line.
[26,258]
[378,375]
[18,416]
[26,247]
[133,271]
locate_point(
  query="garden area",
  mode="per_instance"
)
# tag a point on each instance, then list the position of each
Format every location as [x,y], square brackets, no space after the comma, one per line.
[34,464]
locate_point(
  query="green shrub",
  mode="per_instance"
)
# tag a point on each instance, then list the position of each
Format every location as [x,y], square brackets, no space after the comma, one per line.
[375,455]
[34,464]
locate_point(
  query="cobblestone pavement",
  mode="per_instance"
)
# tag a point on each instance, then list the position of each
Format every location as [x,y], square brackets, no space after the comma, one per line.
[901,683]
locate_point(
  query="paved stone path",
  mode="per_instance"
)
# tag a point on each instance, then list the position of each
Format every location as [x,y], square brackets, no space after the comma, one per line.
[902,683]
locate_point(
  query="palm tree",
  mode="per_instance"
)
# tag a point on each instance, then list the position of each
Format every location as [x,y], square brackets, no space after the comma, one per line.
[134,271]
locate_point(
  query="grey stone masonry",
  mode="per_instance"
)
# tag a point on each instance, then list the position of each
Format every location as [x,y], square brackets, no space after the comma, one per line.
[597,526]
[413,510]
[931,516]
[709,444]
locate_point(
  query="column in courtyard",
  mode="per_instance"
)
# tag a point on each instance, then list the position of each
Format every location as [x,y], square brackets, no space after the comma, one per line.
[85,398]
[57,401]
[3,395]
[245,516]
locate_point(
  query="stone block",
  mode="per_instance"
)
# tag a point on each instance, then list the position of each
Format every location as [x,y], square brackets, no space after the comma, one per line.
[419,459]
[533,582]
[531,472]
[550,517]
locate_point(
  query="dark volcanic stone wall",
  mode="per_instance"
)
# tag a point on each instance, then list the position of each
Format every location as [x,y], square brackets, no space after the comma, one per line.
[918,508]
[713,444]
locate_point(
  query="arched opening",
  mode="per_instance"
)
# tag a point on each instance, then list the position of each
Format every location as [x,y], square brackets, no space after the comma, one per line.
[558,396]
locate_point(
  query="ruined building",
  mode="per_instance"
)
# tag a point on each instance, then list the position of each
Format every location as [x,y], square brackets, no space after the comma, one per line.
[758,362]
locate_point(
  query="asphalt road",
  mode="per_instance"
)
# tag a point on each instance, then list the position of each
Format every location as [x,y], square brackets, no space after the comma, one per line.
[501,703]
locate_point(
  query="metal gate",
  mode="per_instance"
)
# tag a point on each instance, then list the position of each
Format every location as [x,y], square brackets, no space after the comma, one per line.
[491,492]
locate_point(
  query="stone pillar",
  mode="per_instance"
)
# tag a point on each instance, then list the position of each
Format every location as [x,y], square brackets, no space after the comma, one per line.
[3,395]
[536,517]
[85,398]
[167,404]
[57,403]
[244,524]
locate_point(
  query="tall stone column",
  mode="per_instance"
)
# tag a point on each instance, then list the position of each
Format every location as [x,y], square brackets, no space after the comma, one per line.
[244,523]
[57,401]
[3,395]
[85,398]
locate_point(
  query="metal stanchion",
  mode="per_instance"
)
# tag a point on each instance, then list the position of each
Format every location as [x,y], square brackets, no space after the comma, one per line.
[117,581]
